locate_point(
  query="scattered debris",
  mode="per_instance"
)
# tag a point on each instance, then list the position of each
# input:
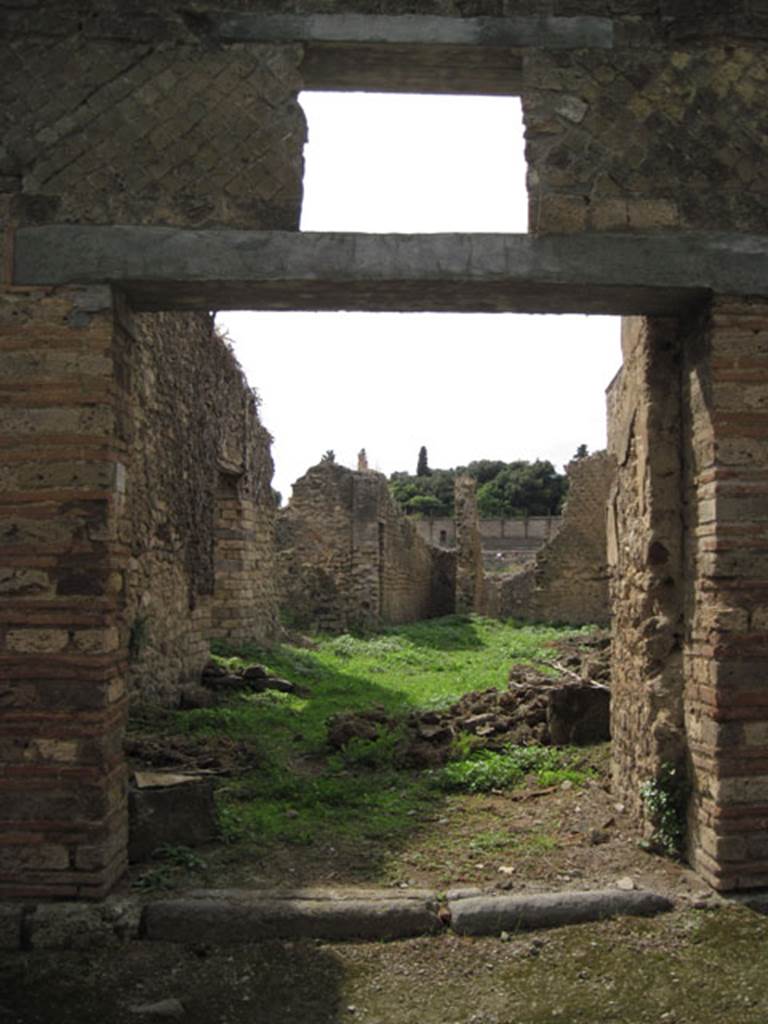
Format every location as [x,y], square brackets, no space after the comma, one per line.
[535,708]
[190,754]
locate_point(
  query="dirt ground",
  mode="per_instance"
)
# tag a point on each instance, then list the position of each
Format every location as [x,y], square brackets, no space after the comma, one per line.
[706,961]
[521,840]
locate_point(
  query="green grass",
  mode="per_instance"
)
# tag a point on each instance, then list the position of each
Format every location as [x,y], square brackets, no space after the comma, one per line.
[302,793]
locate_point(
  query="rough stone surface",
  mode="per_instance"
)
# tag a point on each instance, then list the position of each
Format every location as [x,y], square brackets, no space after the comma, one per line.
[350,559]
[198,514]
[10,926]
[63,926]
[645,553]
[246,917]
[567,581]
[469,550]
[490,915]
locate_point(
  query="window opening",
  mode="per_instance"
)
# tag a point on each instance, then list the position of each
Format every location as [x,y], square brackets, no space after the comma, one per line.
[384,163]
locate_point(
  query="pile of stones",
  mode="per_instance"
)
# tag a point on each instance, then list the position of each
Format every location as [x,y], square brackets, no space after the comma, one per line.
[570,708]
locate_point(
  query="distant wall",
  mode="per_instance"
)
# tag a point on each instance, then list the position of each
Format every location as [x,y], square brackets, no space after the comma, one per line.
[349,559]
[197,514]
[505,542]
[568,579]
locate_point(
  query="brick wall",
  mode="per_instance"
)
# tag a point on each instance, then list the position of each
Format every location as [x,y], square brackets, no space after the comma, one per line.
[725,387]
[349,559]
[567,581]
[63,665]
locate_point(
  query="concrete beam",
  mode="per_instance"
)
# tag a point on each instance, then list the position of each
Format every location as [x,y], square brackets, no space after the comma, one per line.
[413,53]
[167,268]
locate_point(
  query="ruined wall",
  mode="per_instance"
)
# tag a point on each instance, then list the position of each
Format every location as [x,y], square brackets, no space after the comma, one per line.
[645,537]
[349,559]
[567,581]
[469,551]
[201,553]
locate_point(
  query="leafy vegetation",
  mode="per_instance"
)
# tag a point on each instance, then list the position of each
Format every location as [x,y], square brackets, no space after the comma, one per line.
[504,488]
[486,770]
[666,798]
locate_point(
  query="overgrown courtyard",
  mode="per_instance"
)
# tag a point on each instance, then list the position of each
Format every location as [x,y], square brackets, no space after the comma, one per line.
[295,810]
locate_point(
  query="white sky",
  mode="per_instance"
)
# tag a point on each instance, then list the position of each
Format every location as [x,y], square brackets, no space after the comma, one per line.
[468,386]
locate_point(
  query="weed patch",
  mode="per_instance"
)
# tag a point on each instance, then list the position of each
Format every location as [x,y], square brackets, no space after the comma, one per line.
[486,770]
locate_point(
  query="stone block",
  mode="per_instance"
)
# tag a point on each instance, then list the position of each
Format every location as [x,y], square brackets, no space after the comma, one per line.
[183,814]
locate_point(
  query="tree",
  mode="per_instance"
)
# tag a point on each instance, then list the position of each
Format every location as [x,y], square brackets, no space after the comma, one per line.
[422,466]
[425,504]
[329,456]
[581,453]
[523,488]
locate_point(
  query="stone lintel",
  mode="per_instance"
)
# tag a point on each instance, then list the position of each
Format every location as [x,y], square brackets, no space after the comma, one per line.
[410,29]
[174,269]
[414,53]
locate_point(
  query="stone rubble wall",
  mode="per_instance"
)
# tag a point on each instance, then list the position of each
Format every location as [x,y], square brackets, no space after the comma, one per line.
[567,580]
[349,559]
[645,549]
[201,552]
[469,550]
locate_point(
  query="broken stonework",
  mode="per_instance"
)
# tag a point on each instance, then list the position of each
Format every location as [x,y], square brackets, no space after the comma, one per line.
[534,708]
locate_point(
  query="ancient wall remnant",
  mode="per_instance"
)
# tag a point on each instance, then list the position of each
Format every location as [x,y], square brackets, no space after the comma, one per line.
[198,512]
[100,124]
[643,117]
[349,559]
[469,551]
[567,580]
[645,534]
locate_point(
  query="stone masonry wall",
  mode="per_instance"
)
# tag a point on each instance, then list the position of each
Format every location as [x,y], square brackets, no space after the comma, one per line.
[350,560]
[102,122]
[567,581]
[140,117]
[201,557]
[645,537]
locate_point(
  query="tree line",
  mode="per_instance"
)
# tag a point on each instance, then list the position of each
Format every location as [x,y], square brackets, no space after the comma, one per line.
[504,489]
